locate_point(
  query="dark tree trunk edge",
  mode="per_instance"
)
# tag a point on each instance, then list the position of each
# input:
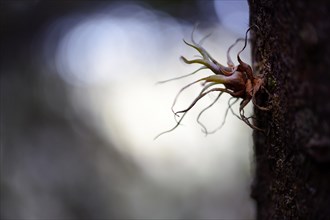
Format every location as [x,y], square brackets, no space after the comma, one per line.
[291,47]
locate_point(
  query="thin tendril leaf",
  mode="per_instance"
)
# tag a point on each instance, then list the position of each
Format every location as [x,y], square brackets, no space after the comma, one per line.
[225,116]
[203,90]
[231,109]
[200,49]
[181,90]
[180,77]
[172,129]
[201,96]
[245,42]
[204,129]
[246,119]
[186,111]
[193,103]
[229,60]
[204,38]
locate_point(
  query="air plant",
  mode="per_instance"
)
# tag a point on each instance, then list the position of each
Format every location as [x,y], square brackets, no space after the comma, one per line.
[239,81]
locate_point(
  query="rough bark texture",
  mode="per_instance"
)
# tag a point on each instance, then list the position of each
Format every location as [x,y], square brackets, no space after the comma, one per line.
[292,48]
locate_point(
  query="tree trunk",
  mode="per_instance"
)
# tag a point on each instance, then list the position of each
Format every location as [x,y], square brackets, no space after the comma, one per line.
[291,48]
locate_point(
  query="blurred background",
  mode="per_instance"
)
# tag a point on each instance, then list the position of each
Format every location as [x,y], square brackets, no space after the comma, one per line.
[80,107]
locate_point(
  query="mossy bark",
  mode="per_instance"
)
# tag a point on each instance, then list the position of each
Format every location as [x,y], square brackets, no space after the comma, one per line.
[291,47]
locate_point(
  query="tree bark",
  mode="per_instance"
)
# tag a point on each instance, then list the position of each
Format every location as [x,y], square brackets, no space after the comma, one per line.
[291,48]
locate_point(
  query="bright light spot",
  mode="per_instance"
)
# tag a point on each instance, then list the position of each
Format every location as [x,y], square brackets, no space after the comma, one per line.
[106,48]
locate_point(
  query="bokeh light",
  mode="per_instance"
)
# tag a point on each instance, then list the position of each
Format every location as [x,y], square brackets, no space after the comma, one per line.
[110,60]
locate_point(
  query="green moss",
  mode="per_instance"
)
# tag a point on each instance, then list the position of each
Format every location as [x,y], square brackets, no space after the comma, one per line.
[271,83]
